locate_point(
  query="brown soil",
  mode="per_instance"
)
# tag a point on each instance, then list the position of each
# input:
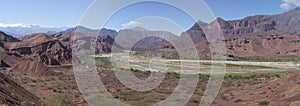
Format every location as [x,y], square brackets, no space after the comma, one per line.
[234,92]
[13,94]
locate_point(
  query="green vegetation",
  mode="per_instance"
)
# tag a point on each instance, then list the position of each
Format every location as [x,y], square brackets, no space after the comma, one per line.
[165,91]
[246,66]
[208,64]
[142,49]
[23,103]
[103,62]
[248,75]
[140,71]
[270,59]
[234,71]
[60,101]
[253,75]
[204,76]
[173,74]
[99,61]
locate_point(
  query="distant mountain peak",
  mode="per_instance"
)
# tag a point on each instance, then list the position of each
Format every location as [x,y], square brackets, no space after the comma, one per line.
[4,25]
[20,29]
[7,38]
[297,9]
[85,30]
[139,28]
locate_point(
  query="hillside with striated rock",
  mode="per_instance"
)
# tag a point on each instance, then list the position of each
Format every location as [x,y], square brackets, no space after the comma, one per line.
[12,94]
[144,39]
[253,36]
[27,57]
[104,44]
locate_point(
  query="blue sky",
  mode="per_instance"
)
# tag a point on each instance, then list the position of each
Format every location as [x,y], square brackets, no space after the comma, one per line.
[67,13]
[237,9]
[57,13]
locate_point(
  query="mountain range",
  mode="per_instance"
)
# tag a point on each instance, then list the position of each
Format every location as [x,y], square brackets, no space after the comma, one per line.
[253,36]
[21,30]
[39,50]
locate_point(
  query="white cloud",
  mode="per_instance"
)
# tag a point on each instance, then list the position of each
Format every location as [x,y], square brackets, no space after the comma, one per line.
[14,25]
[131,24]
[285,6]
[287,3]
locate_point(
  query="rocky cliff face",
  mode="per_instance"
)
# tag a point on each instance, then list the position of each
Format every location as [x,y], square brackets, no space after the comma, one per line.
[19,57]
[104,38]
[104,44]
[253,36]
[43,48]
[7,38]
[25,66]
[195,33]
[247,26]
[248,37]
[288,21]
[273,45]
[144,39]
[49,52]
[101,32]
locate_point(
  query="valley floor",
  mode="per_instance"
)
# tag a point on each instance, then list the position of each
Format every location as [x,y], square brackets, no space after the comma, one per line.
[237,89]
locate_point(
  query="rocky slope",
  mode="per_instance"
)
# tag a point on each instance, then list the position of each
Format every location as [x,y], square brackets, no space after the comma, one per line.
[268,92]
[7,38]
[30,57]
[26,66]
[104,44]
[42,48]
[84,30]
[253,36]
[21,30]
[264,46]
[142,39]
[11,94]
[105,38]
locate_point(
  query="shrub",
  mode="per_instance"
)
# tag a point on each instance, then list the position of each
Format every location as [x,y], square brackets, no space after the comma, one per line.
[103,62]
[264,103]
[60,101]
[238,100]
[34,81]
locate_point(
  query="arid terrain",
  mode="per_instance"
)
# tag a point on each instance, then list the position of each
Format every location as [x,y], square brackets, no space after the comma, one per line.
[262,67]
[237,89]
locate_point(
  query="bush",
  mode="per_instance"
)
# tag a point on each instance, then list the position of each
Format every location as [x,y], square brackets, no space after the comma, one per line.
[34,81]
[59,101]
[103,62]
[238,100]
[264,103]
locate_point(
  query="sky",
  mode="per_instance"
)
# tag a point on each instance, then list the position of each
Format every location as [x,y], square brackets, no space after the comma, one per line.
[56,13]
[68,13]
